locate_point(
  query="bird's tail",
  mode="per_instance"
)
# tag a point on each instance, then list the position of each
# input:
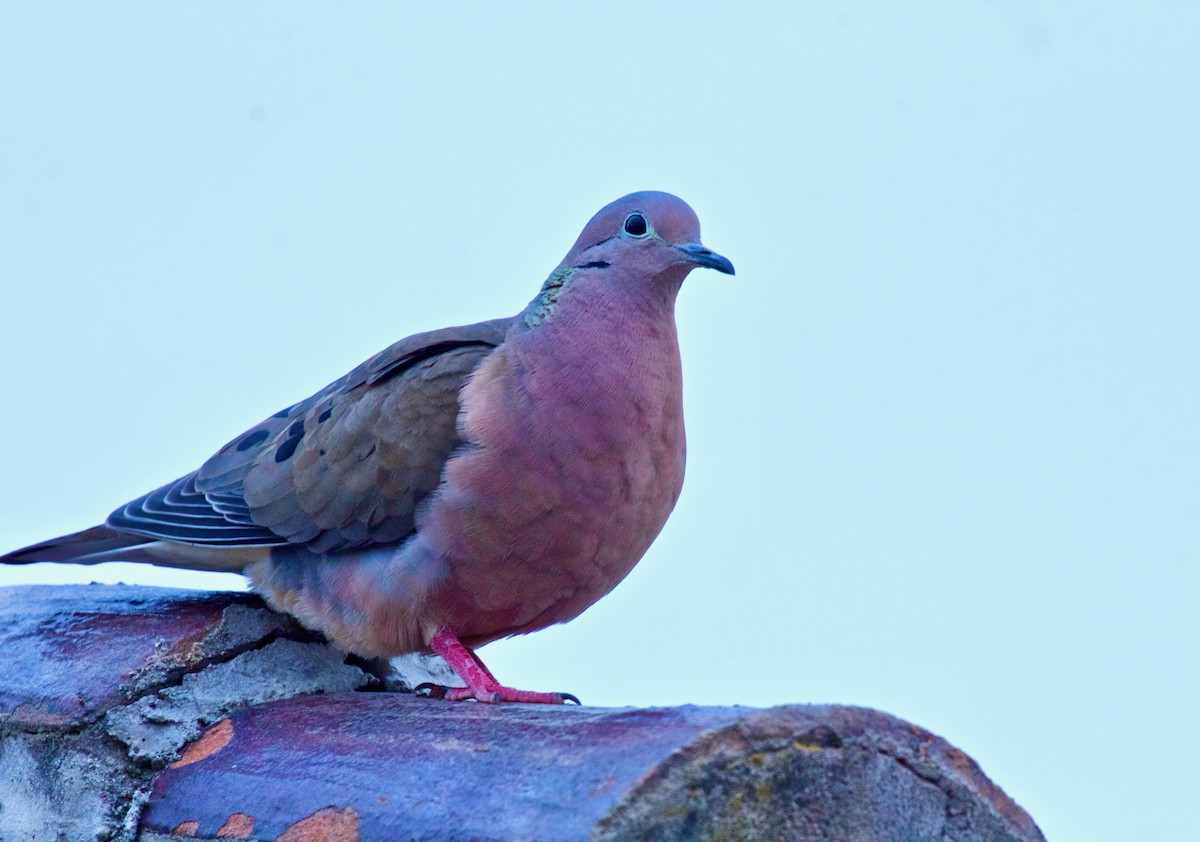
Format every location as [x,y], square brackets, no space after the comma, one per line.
[102,543]
[91,546]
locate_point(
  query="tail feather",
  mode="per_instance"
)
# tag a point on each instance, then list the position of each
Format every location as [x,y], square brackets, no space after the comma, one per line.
[91,546]
[102,543]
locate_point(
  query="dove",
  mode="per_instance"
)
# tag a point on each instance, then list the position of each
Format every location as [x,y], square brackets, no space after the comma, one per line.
[464,485]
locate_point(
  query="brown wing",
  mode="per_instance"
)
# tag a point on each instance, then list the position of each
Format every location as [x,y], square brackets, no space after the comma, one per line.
[344,468]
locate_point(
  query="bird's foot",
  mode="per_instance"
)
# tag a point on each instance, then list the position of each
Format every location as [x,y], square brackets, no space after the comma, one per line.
[493,694]
[482,686]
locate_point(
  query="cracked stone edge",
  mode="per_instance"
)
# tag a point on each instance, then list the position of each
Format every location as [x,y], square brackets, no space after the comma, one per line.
[741,741]
[103,738]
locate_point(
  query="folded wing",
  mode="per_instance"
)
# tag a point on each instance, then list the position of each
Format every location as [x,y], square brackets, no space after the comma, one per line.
[345,468]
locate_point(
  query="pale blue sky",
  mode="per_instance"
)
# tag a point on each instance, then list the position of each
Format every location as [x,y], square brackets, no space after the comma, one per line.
[944,425]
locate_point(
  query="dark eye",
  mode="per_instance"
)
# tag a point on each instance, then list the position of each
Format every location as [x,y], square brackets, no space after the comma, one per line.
[635,225]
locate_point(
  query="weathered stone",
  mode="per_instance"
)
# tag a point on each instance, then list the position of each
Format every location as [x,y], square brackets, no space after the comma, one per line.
[818,772]
[399,767]
[82,649]
[104,684]
[150,714]
[157,724]
[63,786]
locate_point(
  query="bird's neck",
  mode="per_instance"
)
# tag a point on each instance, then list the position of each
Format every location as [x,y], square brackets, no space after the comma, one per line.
[575,298]
[605,366]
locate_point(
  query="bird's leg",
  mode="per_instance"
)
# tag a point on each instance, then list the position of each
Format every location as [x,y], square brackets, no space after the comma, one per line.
[481,684]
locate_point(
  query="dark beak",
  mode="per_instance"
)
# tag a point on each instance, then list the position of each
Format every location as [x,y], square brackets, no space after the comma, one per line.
[701,256]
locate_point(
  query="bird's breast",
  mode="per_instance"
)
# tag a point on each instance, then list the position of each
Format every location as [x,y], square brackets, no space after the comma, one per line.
[575,459]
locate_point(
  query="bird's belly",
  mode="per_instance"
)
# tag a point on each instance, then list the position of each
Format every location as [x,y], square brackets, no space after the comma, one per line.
[543,536]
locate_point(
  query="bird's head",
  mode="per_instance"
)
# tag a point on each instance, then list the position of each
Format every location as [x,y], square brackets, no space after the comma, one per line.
[648,232]
[643,244]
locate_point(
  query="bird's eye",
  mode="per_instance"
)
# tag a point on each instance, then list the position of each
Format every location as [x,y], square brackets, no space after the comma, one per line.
[635,225]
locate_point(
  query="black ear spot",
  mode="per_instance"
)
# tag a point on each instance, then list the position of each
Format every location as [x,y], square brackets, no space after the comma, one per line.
[635,225]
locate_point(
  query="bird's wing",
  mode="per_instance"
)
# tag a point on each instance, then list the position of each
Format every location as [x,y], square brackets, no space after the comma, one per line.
[345,468]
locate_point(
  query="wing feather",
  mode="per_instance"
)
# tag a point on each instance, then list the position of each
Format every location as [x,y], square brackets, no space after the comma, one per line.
[346,467]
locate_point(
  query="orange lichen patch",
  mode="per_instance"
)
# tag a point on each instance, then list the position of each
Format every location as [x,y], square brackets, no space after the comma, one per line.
[237,826]
[186,650]
[329,824]
[186,829]
[214,739]
[998,798]
[961,762]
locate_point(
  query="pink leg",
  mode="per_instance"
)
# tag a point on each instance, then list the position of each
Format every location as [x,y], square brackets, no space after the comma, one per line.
[481,684]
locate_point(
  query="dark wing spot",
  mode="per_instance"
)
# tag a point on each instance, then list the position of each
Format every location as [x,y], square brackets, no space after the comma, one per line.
[324,416]
[595,264]
[286,449]
[252,440]
[283,413]
[295,435]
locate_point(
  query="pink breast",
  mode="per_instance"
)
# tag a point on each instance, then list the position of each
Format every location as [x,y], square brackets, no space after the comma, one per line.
[571,479]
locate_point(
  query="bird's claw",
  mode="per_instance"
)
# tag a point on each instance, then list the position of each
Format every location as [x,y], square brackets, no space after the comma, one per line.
[429,690]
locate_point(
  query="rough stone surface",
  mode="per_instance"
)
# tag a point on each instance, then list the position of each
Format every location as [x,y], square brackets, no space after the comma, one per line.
[150,714]
[818,772]
[86,648]
[400,767]
[102,685]
[154,726]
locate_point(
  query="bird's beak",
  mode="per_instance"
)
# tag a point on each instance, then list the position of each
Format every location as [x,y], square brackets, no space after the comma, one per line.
[702,256]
